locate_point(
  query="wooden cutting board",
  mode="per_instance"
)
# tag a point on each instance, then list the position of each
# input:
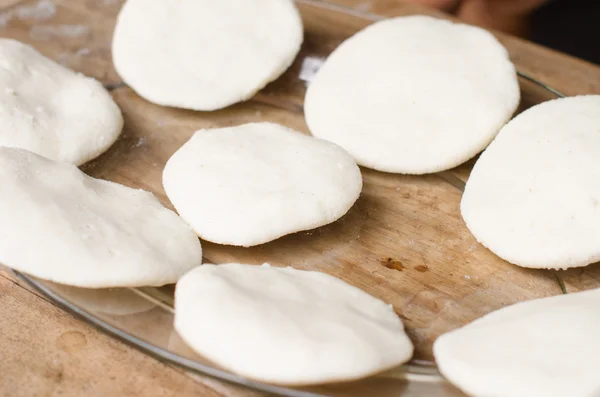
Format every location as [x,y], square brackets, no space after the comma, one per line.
[404,241]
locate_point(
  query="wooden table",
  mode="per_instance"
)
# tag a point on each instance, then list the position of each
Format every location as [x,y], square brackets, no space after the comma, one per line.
[46,352]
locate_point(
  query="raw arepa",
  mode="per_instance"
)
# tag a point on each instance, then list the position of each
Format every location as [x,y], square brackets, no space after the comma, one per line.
[51,110]
[58,224]
[414,94]
[253,183]
[541,348]
[204,54]
[299,327]
[533,197]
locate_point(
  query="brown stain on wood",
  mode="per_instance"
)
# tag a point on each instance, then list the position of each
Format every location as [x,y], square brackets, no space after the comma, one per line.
[393,264]
[421,268]
[54,371]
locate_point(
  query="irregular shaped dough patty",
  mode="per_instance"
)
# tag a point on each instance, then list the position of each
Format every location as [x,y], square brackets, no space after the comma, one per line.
[204,54]
[52,111]
[413,95]
[287,326]
[58,224]
[253,183]
[533,197]
[541,348]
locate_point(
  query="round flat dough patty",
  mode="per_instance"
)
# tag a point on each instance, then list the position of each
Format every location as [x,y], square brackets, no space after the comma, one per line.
[58,224]
[204,54]
[299,327]
[51,110]
[541,348]
[253,183]
[413,95]
[533,197]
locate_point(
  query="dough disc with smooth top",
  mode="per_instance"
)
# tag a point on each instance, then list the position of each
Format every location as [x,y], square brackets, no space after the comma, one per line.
[533,197]
[253,183]
[541,348]
[287,326]
[58,224]
[204,54]
[413,95]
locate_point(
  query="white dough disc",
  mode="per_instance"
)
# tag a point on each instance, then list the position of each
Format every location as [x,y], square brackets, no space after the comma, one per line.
[413,95]
[287,326]
[204,54]
[253,183]
[533,197]
[541,348]
[51,110]
[58,224]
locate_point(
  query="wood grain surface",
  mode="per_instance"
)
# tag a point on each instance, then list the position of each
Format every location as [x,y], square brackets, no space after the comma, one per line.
[404,241]
[46,352]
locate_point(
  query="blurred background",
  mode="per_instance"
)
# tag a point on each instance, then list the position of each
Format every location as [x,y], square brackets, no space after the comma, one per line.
[571,26]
